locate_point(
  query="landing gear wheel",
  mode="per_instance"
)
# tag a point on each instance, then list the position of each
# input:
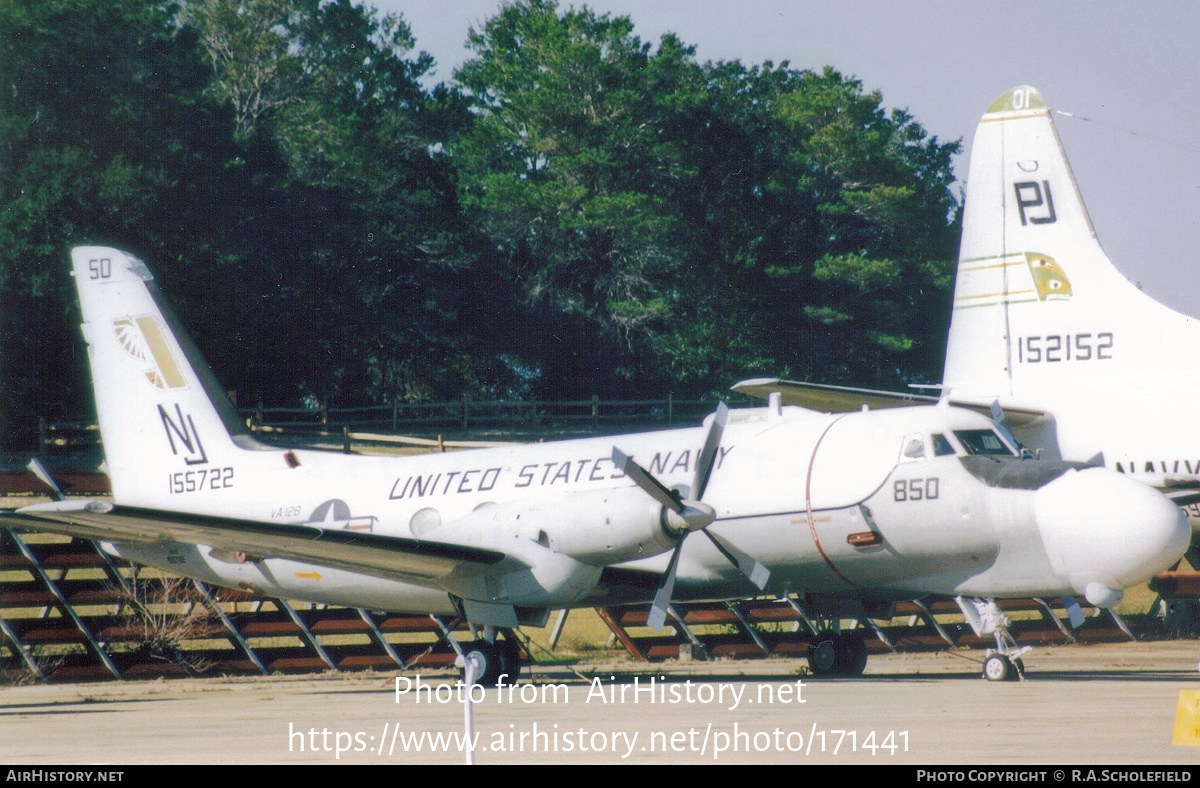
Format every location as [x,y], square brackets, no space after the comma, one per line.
[823,654]
[490,658]
[851,654]
[998,667]
[510,655]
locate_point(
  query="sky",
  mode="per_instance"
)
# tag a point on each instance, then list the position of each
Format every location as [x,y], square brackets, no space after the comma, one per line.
[1129,73]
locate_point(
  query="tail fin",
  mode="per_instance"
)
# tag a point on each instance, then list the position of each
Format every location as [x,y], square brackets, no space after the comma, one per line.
[162,413]
[1038,308]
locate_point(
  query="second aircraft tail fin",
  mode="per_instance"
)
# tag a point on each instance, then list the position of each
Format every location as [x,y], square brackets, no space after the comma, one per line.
[1038,307]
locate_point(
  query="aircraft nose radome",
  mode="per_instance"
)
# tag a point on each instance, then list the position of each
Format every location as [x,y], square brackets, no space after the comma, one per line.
[1105,532]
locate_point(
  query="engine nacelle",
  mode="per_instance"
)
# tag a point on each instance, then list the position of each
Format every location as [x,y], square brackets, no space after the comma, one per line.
[557,546]
[596,527]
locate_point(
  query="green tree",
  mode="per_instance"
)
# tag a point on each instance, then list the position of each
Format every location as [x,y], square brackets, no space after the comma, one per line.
[677,224]
[563,168]
[93,146]
[307,235]
[581,212]
[886,215]
[350,194]
[821,226]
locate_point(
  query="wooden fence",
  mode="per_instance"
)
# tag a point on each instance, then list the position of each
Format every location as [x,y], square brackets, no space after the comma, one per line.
[467,415]
[461,417]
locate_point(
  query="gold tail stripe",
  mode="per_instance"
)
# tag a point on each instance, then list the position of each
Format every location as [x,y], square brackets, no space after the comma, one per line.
[172,378]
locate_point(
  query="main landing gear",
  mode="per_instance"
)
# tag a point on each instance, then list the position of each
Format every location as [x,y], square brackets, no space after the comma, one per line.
[837,654]
[496,663]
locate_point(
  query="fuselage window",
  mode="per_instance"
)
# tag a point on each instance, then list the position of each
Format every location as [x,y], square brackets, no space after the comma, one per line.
[982,442]
[941,446]
[424,521]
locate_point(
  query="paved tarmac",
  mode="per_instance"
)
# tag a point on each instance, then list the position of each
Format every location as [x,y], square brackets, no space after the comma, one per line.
[1083,705]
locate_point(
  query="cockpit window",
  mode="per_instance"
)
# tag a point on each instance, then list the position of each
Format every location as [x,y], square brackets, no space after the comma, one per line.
[941,446]
[984,442]
[914,448]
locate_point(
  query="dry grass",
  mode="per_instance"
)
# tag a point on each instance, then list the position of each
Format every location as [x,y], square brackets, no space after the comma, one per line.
[165,614]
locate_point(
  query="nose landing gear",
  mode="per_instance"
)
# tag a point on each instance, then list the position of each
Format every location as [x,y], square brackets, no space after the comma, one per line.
[1000,666]
[1002,663]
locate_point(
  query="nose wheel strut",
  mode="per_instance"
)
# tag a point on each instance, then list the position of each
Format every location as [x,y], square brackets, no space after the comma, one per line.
[1003,663]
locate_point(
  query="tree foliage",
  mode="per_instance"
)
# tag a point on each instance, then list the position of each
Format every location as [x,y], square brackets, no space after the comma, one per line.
[568,173]
[579,211]
[689,223]
[99,139]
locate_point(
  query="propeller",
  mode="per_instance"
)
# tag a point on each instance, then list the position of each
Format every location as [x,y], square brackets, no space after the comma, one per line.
[37,469]
[683,515]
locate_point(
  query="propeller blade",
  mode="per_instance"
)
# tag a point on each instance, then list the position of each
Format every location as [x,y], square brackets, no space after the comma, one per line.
[690,516]
[1002,423]
[37,469]
[750,567]
[1074,612]
[662,600]
[668,498]
[704,463]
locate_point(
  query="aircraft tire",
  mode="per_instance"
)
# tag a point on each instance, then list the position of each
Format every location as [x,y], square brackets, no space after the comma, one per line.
[851,654]
[1018,670]
[998,667]
[510,655]
[823,654]
[491,659]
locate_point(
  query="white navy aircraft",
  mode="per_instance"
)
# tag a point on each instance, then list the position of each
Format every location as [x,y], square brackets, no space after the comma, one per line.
[863,508]
[1083,364]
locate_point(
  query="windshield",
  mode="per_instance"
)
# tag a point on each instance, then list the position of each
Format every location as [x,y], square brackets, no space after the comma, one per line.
[984,442]
[941,446]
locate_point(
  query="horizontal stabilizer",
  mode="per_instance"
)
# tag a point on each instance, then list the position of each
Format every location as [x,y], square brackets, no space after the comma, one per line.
[844,399]
[829,399]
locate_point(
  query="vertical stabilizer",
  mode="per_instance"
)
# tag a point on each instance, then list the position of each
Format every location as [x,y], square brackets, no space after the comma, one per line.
[1040,316]
[164,419]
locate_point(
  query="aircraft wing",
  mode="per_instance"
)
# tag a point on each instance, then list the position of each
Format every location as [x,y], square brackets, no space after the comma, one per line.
[390,557]
[842,399]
